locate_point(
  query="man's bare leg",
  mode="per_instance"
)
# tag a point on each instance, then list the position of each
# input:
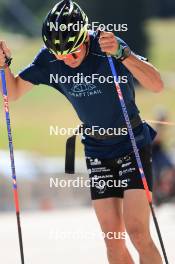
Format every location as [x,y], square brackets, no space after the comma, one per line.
[136,213]
[109,214]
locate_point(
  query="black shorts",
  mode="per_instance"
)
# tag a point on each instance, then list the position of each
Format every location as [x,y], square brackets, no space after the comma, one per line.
[112,177]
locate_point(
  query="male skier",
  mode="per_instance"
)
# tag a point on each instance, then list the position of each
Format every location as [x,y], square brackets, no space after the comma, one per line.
[68,52]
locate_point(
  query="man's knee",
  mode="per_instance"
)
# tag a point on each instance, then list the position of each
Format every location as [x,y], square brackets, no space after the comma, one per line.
[116,250]
[140,237]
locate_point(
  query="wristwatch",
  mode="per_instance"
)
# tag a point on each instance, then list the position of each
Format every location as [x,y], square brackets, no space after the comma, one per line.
[123,52]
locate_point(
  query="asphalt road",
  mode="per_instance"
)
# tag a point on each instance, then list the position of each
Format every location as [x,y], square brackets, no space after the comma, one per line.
[69,236]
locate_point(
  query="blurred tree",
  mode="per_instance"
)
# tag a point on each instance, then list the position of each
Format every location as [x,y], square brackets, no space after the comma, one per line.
[18,16]
[133,13]
[165,8]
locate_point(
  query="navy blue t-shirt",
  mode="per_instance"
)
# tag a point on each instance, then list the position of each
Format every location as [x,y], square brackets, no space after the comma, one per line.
[96,102]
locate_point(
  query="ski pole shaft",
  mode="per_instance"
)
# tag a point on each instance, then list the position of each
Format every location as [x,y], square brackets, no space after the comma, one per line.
[136,152]
[15,190]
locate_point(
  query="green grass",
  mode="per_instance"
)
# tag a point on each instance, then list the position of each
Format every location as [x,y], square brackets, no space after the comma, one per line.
[33,114]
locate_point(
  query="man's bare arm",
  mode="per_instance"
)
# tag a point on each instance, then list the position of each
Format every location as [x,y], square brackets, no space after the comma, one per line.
[16,87]
[147,75]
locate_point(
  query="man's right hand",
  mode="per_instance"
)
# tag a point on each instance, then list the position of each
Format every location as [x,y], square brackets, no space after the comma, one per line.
[4,53]
[16,87]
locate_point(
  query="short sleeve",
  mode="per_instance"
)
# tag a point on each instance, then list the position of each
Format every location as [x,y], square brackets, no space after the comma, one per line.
[37,72]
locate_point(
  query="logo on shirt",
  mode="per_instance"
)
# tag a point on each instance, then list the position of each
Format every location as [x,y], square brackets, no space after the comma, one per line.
[84,89]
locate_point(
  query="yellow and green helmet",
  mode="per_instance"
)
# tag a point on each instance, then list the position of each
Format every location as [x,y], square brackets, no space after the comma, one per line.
[65,28]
